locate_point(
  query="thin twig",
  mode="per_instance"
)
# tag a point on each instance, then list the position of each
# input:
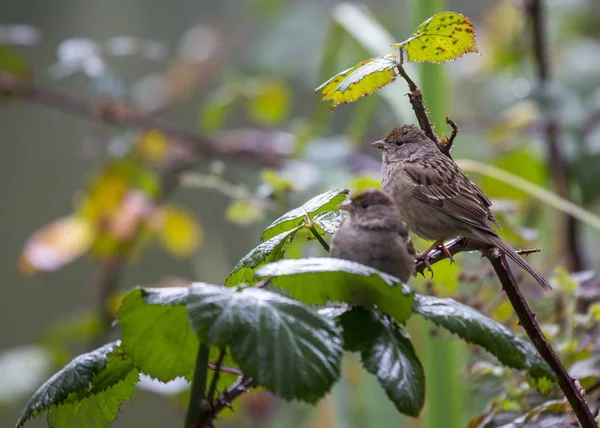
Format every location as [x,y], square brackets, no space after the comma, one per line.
[573,251]
[569,386]
[239,387]
[122,115]
[450,141]
[416,100]
[226,369]
[317,235]
[215,378]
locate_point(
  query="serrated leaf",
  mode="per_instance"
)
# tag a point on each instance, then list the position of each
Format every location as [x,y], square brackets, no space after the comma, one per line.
[387,353]
[443,37]
[318,281]
[330,221]
[87,392]
[279,342]
[363,79]
[327,201]
[267,251]
[474,327]
[156,332]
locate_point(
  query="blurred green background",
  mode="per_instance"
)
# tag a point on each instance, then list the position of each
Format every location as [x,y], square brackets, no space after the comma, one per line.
[248,66]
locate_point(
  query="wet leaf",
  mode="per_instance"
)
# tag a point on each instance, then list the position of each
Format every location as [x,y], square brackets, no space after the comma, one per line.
[363,79]
[327,201]
[156,332]
[330,221]
[87,392]
[267,251]
[271,337]
[444,36]
[387,353]
[56,245]
[179,230]
[318,281]
[474,327]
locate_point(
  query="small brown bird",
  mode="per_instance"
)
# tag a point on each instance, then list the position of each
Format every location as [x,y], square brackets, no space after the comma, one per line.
[374,235]
[435,198]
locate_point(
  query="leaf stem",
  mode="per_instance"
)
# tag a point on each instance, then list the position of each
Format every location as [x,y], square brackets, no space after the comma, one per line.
[570,386]
[317,235]
[198,402]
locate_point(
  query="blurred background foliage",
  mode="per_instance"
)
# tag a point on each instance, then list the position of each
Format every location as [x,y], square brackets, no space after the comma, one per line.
[89,200]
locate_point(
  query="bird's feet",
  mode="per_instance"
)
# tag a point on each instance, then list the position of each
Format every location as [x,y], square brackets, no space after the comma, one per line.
[424,256]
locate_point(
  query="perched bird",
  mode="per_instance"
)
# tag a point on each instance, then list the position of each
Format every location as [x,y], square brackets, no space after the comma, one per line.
[374,235]
[435,198]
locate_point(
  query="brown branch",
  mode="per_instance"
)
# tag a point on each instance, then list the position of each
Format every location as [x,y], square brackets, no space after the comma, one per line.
[121,115]
[569,386]
[217,371]
[225,369]
[239,387]
[557,165]
[450,141]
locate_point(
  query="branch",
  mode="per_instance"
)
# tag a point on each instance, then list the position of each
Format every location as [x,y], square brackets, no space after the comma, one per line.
[569,386]
[121,115]
[416,100]
[450,142]
[215,378]
[557,164]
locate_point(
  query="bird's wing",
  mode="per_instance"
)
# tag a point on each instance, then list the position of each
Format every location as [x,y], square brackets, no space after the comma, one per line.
[438,181]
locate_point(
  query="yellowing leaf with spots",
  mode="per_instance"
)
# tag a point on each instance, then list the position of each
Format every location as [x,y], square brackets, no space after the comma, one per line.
[178,230]
[363,79]
[445,36]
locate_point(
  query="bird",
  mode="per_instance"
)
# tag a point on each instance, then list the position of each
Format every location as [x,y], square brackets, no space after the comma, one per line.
[373,234]
[435,198]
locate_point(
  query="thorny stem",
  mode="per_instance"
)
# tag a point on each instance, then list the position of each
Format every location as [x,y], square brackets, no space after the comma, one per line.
[571,239]
[215,378]
[570,387]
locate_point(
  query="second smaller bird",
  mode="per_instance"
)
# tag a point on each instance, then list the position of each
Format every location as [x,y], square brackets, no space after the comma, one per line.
[374,235]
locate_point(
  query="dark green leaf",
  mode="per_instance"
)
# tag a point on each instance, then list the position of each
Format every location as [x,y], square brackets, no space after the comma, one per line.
[267,251]
[279,342]
[474,327]
[156,332]
[387,353]
[330,221]
[327,201]
[87,392]
[318,281]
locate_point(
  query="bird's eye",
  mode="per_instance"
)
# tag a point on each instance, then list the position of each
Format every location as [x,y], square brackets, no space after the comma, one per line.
[398,143]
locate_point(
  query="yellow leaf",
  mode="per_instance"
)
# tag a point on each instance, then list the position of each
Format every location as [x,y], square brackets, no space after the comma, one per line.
[244,213]
[444,36]
[153,146]
[363,79]
[270,105]
[179,231]
[56,244]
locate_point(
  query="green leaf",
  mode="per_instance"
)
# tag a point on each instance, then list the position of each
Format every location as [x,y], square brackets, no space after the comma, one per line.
[330,221]
[267,251]
[87,392]
[156,332]
[363,79]
[317,281]
[277,341]
[327,201]
[270,104]
[443,37]
[387,353]
[474,327]
[215,110]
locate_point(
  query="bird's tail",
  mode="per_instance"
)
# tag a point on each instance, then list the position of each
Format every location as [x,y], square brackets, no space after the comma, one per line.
[518,259]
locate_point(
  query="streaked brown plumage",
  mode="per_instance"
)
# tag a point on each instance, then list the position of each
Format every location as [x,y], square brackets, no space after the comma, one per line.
[374,235]
[435,198]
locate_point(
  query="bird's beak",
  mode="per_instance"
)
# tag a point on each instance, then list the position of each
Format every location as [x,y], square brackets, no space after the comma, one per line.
[379,144]
[345,206]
